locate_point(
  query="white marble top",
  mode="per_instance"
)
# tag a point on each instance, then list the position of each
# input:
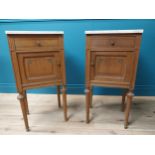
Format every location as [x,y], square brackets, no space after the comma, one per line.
[114,31]
[34,32]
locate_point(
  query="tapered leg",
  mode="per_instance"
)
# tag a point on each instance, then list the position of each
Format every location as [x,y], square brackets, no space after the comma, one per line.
[127,109]
[87,91]
[20,97]
[64,102]
[91,97]
[26,102]
[123,102]
[58,95]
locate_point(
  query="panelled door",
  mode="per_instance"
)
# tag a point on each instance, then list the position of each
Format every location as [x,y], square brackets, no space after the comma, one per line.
[39,67]
[110,66]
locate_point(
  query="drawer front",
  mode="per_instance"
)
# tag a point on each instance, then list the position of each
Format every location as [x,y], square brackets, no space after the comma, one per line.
[112,67]
[112,42]
[39,68]
[38,43]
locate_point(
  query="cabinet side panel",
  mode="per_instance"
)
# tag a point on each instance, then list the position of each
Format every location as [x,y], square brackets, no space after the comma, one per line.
[14,63]
[137,50]
[62,60]
[88,60]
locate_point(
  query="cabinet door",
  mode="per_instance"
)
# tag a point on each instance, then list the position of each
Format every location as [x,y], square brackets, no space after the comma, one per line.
[112,67]
[39,67]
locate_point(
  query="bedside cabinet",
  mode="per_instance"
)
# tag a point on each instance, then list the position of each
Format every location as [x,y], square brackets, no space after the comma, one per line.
[111,61]
[38,61]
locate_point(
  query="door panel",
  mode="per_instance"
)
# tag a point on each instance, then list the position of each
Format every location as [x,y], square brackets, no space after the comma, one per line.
[40,67]
[111,66]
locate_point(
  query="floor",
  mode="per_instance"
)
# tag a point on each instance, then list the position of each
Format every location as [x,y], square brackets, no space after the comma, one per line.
[106,117]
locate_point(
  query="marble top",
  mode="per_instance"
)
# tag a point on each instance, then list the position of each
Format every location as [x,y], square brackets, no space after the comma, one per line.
[34,32]
[114,31]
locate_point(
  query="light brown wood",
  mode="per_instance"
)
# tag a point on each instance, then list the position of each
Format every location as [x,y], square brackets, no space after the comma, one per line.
[59,97]
[91,97]
[112,66]
[123,101]
[37,42]
[112,41]
[38,61]
[46,117]
[26,102]
[128,107]
[111,61]
[64,102]
[87,91]
[23,105]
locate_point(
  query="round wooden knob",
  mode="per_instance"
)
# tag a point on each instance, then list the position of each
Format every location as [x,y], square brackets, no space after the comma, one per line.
[38,43]
[112,43]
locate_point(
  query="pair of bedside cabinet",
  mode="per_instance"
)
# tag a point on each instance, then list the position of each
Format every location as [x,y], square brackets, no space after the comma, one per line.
[111,61]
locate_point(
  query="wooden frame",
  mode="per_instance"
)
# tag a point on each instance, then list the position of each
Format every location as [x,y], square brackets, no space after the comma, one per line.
[38,61]
[117,67]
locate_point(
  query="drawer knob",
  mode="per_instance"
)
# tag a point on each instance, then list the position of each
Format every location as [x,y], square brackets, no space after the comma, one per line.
[38,43]
[112,43]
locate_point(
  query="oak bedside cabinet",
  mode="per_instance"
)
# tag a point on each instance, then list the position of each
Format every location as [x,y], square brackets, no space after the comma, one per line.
[38,61]
[111,61]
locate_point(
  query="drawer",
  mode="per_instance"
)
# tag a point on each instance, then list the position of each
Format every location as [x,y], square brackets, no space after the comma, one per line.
[112,42]
[32,42]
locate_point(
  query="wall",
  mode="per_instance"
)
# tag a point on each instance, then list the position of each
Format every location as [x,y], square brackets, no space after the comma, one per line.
[74,42]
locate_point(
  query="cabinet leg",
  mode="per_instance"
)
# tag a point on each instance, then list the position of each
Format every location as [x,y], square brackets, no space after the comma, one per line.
[87,91]
[20,97]
[123,101]
[128,107]
[64,102]
[58,95]
[91,98]
[26,103]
